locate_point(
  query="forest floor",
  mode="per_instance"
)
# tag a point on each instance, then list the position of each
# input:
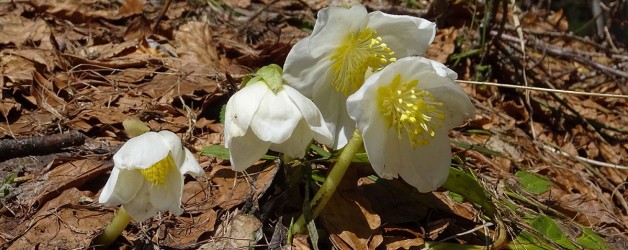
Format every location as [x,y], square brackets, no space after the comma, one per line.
[549,166]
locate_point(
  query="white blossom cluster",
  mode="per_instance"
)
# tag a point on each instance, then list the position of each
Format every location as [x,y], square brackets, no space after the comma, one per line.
[357,70]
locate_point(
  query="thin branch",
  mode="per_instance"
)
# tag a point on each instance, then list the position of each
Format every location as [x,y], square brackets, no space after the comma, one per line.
[571,92]
[558,52]
[12,148]
[587,160]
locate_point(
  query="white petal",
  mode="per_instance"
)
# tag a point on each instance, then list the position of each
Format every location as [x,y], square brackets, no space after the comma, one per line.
[190,165]
[344,128]
[275,118]
[363,109]
[378,142]
[246,150]
[174,144]
[333,25]
[457,105]
[426,167]
[332,105]
[140,208]
[405,35]
[362,104]
[311,115]
[122,187]
[167,197]
[298,142]
[241,108]
[301,70]
[141,152]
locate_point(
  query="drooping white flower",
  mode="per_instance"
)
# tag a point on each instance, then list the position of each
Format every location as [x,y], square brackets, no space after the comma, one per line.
[147,176]
[269,115]
[404,112]
[346,44]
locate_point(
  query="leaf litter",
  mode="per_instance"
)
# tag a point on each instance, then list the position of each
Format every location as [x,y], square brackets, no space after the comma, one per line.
[89,65]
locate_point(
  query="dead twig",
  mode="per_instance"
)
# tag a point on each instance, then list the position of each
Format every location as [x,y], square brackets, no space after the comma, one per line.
[12,148]
[558,52]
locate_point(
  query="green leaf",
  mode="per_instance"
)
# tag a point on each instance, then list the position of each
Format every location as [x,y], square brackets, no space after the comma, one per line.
[218,151]
[269,157]
[550,230]
[467,186]
[528,241]
[360,158]
[318,176]
[5,186]
[483,150]
[456,197]
[308,215]
[320,151]
[591,240]
[533,182]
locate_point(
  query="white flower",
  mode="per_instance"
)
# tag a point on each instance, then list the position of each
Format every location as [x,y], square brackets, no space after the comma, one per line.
[404,112]
[267,114]
[147,176]
[346,44]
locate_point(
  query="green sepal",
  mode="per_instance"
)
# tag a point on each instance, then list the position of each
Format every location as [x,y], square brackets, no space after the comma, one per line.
[271,75]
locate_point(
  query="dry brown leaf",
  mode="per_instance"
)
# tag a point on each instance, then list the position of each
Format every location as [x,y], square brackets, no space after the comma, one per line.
[237,231]
[198,196]
[17,30]
[62,223]
[402,238]
[300,242]
[517,111]
[79,11]
[72,173]
[443,45]
[42,91]
[237,3]
[233,188]
[194,44]
[16,69]
[190,230]
[138,29]
[559,20]
[131,7]
[350,219]
[588,212]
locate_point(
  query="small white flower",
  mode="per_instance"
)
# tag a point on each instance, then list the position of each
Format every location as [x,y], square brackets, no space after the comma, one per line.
[267,114]
[346,44]
[147,176]
[404,112]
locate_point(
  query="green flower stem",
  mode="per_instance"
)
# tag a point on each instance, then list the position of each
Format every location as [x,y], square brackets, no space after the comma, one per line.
[114,229]
[331,182]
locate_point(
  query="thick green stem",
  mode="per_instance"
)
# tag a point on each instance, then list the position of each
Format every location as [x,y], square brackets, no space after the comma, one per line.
[114,229]
[331,182]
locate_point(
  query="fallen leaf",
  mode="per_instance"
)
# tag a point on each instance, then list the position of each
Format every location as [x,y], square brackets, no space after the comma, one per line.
[194,44]
[63,222]
[237,231]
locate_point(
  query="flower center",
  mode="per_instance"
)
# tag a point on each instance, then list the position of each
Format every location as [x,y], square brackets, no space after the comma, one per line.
[411,110]
[158,172]
[352,59]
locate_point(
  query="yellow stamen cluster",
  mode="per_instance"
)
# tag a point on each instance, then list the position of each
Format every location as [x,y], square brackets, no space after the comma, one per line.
[359,52]
[158,172]
[411,110]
